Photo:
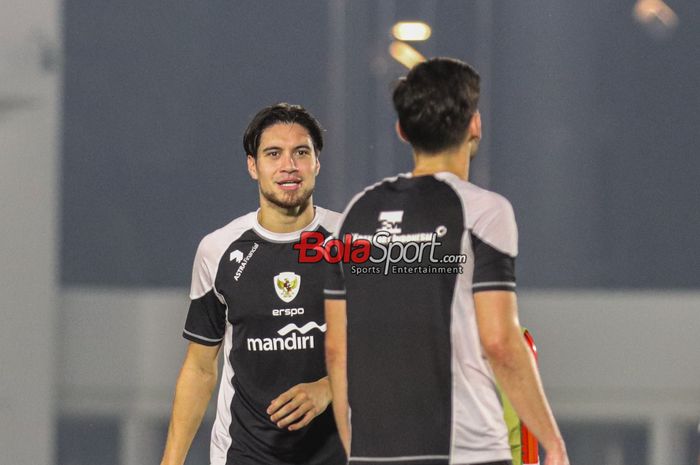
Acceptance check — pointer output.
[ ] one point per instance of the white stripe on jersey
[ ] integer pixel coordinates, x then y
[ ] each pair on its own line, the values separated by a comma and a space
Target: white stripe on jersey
208, 339
493, 283
406, 458
220, 436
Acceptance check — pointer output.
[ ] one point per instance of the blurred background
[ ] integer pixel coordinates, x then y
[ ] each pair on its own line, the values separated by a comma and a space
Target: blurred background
120, 147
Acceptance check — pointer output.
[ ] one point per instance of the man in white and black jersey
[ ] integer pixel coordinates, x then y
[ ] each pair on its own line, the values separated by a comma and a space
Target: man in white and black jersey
415, 343
250, 295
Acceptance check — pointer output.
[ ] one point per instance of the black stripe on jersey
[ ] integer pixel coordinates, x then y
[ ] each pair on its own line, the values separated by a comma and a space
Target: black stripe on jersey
493, 269
206, 321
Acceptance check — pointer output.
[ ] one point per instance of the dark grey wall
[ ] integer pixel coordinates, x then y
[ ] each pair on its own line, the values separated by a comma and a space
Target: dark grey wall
590, 126
595, 140
157, 95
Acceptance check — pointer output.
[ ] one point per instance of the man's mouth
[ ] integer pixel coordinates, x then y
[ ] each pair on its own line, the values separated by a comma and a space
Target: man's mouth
289, 184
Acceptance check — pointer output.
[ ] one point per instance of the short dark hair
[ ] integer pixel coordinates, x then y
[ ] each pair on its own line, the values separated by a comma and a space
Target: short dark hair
435, 103
281, 113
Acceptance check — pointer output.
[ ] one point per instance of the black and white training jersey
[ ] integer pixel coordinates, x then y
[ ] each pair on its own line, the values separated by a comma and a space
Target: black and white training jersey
250, 293
420, 388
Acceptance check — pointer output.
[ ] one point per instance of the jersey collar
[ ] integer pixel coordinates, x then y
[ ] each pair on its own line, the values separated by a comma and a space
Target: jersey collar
290, 236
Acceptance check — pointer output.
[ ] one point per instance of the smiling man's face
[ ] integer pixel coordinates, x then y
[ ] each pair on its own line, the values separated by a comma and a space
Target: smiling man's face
285, 166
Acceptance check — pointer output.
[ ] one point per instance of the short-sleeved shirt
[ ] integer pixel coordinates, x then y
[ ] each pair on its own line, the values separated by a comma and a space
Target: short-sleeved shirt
250, 293
419, 386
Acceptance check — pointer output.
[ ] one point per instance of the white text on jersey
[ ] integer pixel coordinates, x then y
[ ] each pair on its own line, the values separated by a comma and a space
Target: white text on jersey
287, 311
294, 341
240, 269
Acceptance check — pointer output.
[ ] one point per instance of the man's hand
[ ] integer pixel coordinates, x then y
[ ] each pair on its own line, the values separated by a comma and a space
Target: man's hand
295, 408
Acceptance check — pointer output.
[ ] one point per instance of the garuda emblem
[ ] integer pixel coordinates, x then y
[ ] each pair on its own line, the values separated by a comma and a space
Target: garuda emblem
287, 285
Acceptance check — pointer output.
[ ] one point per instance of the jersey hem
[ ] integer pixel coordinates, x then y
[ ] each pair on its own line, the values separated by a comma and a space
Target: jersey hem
483, 457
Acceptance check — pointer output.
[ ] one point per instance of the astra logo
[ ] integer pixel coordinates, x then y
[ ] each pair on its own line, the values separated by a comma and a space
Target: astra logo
241, 267
236, 255
390, 221
297, 340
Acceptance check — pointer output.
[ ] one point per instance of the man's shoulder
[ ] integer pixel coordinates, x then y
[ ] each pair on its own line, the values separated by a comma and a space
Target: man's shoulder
328, 219
473, 197
385, 183
476, 197
217, 241
372, 190
489, 216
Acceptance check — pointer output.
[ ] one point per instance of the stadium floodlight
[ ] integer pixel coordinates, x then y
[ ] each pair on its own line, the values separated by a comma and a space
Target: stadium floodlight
405, 54
656, 17
411, 31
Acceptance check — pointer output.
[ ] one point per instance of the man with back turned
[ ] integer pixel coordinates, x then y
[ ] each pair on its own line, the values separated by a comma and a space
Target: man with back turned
417, 338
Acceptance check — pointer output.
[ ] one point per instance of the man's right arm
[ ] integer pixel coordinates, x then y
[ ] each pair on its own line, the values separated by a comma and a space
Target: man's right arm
336, 365
193, 390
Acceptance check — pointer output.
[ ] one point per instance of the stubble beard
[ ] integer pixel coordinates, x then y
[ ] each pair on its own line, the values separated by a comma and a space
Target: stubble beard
288, 200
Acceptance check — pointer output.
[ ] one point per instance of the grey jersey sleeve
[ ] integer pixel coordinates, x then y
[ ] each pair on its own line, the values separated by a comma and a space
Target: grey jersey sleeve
494, 239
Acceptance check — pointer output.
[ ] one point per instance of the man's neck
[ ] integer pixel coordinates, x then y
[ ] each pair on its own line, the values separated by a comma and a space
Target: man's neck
283, 220
455, 161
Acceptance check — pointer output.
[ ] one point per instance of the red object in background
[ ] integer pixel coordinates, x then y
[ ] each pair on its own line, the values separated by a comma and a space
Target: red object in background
530, 447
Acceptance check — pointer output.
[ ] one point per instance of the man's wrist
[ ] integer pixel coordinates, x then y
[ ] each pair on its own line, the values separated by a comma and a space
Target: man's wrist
555, 445
326, 383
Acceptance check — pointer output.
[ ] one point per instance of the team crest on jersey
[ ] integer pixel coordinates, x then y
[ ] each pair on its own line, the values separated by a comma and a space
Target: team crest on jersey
287, 285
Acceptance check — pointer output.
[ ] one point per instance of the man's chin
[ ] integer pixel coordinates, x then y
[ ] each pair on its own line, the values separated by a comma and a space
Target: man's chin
289, 201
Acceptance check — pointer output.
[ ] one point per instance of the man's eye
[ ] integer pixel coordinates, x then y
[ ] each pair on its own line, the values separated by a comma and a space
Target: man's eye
273, 154
303, 152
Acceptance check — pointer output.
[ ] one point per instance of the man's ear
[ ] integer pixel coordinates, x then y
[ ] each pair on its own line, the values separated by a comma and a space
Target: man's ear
318, 165
474, 129
400, 133
252, 168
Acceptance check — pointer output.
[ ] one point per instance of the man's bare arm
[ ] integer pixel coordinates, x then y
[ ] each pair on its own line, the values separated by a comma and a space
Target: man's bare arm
514, 367
336, 365
195, 384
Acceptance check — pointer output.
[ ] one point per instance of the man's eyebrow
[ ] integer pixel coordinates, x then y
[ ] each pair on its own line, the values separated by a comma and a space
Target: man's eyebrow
274, 147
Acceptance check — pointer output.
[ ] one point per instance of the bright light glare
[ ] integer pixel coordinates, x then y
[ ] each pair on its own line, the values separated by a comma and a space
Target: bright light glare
405, 30
649, 11
405, 54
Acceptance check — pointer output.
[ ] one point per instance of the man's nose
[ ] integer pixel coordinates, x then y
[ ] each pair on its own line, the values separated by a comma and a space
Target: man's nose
288, 162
